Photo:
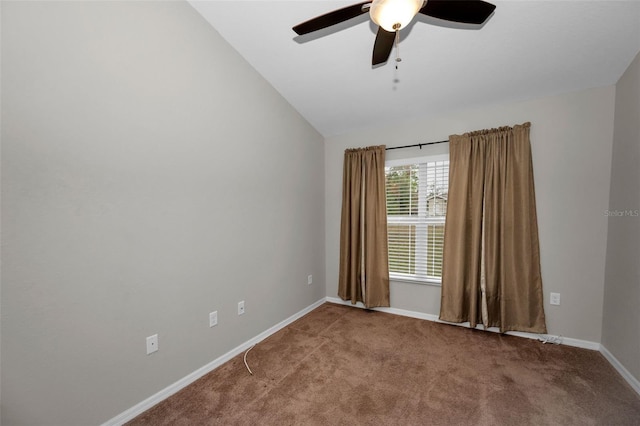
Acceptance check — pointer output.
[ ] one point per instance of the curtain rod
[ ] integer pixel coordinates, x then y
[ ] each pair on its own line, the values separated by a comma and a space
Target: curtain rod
417, 144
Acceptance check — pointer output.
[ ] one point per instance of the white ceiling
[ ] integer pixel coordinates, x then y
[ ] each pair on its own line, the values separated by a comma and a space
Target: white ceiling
526, 49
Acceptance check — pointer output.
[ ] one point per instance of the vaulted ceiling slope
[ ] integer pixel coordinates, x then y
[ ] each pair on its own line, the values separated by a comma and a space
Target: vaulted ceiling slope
526, 49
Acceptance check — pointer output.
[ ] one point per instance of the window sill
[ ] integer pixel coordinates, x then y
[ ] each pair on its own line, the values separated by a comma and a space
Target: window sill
435, 283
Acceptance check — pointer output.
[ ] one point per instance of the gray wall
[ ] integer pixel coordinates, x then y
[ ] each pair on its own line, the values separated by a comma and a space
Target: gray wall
149, 176
621, 325
571, 138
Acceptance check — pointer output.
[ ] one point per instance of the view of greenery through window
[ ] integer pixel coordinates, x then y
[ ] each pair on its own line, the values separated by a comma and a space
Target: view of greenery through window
416, 209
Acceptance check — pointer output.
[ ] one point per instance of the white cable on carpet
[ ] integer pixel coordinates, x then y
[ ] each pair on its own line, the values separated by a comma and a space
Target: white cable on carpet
245, 360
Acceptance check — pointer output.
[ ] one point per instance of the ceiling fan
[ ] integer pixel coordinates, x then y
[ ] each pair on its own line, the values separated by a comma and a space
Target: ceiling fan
393, 15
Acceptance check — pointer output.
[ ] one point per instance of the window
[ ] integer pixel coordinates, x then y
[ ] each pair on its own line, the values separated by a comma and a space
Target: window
416, 207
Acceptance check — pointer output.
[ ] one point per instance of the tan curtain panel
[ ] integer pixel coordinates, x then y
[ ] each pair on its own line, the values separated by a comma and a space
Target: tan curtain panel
491, 264
364, 265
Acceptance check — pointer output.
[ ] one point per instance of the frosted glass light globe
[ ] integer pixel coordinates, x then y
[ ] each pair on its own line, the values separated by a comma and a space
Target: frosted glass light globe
393, 15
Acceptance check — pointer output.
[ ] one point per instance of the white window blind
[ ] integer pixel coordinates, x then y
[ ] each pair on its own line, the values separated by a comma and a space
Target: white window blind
416, 208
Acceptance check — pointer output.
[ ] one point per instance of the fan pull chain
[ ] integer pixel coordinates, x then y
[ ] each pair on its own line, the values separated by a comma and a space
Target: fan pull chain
397, 42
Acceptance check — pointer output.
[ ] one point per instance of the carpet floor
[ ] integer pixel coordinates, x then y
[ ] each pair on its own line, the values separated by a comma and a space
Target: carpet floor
340, 365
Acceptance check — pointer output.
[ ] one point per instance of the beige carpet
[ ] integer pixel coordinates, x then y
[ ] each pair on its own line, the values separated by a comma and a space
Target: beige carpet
340, 365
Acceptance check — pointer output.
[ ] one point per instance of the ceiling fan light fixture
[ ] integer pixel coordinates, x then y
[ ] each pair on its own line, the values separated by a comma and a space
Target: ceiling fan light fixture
392, 15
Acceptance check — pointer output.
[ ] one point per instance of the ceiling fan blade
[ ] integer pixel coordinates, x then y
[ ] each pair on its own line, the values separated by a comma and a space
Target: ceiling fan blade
382, 47
463, 11
331, 18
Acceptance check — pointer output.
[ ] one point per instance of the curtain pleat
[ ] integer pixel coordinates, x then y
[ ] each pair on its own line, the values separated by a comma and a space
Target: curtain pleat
364, 267
491, 264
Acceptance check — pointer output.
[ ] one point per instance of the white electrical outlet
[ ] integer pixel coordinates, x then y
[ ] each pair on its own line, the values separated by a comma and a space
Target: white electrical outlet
309, 279
554, 298
213, 318
241, 307
152, 344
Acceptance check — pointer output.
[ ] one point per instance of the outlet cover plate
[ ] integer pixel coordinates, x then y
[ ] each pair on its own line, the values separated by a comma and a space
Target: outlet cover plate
213, 318
241, 307
152, 344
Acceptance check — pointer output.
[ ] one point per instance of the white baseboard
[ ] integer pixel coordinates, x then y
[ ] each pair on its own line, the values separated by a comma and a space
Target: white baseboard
633, 382
143, 406
395, 311
585, 344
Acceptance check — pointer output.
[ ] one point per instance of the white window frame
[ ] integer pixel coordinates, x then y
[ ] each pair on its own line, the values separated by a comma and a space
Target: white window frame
396, 276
